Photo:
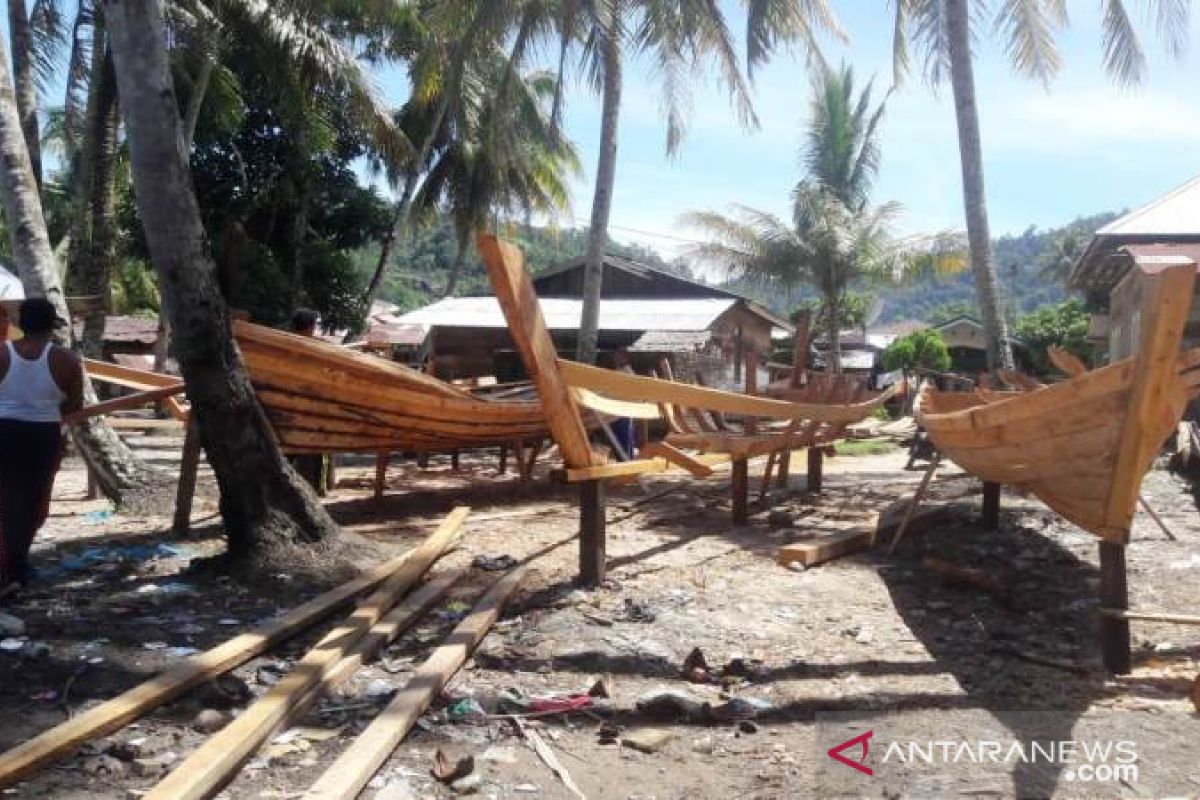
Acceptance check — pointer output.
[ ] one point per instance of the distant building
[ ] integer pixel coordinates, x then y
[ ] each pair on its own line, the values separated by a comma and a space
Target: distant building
703, 330
1164, 228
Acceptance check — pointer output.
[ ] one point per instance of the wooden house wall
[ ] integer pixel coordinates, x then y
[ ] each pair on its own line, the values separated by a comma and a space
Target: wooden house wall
1126, 313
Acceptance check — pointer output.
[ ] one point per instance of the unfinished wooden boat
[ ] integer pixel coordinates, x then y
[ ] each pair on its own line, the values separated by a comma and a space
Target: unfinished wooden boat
322, 398
1083, 445
694, 413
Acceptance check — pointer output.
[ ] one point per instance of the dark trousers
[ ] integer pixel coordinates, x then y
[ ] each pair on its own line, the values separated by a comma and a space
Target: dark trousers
622, 428
29, 456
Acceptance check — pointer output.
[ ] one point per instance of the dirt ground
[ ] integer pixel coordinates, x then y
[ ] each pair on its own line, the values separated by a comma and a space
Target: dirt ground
799, 660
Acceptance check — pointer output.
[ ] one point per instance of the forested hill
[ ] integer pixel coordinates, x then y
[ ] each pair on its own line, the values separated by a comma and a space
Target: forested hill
1030, 267
424, 260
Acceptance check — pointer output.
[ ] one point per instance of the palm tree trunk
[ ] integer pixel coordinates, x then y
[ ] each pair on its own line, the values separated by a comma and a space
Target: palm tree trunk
263, 500
462, 243
121, 477
970, 151
606, 174
833, 329
101, 260
22, 64
387, 248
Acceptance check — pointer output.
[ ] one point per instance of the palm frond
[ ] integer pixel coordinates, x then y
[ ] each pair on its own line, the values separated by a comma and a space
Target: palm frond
49, 34
770, 23
1029, 28
1123, 55
321, 60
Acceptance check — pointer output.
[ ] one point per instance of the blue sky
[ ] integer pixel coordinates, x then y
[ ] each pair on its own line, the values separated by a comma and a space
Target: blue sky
1051, 154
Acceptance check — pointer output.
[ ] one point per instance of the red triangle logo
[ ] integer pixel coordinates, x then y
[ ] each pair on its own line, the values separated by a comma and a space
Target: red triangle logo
863, 739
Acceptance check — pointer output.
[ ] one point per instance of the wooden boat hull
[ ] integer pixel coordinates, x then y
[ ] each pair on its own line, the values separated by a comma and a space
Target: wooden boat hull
322, 398
1081, 446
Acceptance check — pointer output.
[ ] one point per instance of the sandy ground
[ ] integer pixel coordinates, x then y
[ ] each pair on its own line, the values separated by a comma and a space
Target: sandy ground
864, 644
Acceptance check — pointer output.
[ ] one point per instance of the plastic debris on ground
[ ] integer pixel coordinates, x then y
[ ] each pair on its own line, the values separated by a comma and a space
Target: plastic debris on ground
129, 553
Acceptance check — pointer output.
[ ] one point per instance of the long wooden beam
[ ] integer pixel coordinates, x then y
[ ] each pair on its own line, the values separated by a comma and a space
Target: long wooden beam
203, 773
129, 377
513, 288
641, 466
1164, 315
641, 389
616, 408
350, 773
30, 756
677, 457
398, 620
122, 403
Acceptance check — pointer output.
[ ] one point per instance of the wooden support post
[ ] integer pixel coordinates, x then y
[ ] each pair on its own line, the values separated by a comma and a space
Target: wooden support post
816, 468
454, 460
503, 459
381, 465
991, 506
331, 473
741, 491
186, 491
751, 424
1114, 594
592, 559
785, 466
799, 375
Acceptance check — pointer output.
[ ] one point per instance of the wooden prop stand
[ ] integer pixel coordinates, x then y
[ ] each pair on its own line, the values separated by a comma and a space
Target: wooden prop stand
918, 496
740, 484
349, 774
189, 468
592, 535
381, 465
991, 505
206, 770
1114, 595
27, 758
816, 468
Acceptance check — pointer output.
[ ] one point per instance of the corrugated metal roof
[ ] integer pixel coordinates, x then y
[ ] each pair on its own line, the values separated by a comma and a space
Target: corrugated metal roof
1174, 217
670, 341
691, 314
1175, 213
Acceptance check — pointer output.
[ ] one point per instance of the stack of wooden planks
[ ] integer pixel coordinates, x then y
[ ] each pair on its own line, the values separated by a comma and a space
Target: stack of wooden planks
378, 619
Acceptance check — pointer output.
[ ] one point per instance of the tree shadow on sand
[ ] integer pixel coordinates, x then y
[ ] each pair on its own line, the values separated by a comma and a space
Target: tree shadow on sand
1029, 655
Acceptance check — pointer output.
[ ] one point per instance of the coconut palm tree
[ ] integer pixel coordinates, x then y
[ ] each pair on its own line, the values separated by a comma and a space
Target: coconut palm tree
827, 246
945, 29
507, 159
679, 39
835, 238
263, 500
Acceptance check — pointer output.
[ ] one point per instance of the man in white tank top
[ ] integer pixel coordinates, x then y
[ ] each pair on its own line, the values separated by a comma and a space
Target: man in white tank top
40, 382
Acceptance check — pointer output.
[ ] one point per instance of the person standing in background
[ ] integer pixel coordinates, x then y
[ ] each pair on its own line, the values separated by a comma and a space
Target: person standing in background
40, 382
622, 427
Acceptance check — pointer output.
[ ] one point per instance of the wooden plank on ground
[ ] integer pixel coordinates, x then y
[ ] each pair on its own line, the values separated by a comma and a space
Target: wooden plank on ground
354, 768
28, 757
830, 546
206, 770
399, 619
